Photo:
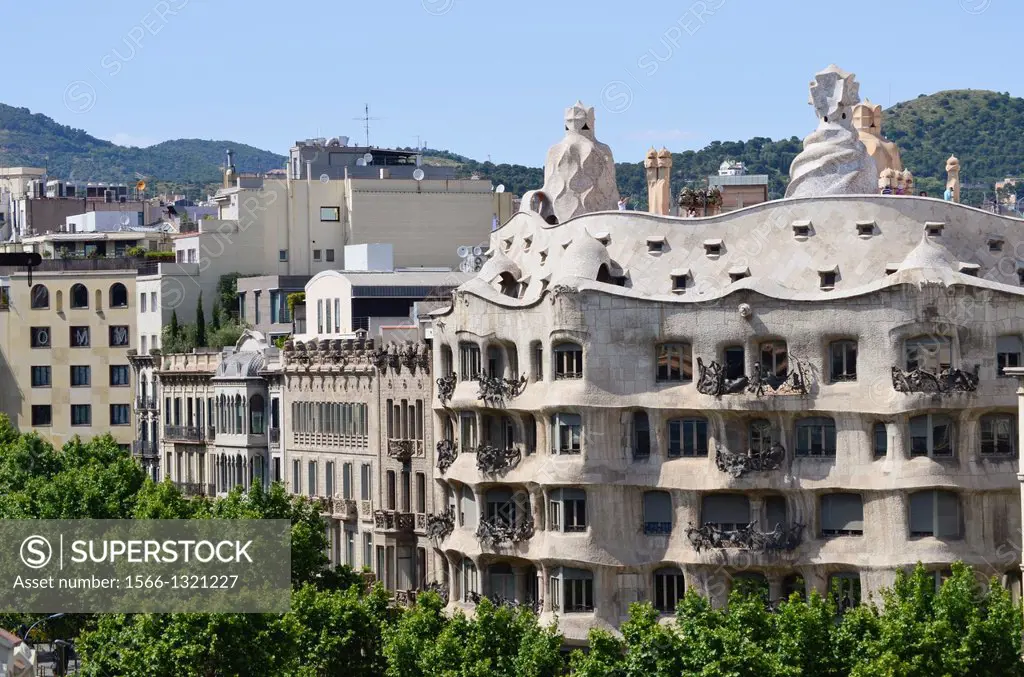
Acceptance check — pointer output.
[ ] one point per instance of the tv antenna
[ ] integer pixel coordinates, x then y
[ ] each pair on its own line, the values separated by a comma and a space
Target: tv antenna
366, 122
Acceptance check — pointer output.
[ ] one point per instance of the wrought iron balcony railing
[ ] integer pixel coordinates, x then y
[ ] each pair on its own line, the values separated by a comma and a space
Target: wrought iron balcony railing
446, 454
946, 381
446, 388
496, 459
759, 460
711, 380
748, 537
184, 432
145, 449
145, 403
441, 525
498, 531
495, 390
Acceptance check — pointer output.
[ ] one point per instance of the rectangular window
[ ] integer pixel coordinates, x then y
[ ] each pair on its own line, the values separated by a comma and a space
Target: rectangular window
774, 360
152, 301
367, 549
538, 362
142, 302
330, 255
329, 479
467, 437
120, 414
735, 362
79, 337
687, 437
41, 377
327, 316
931, 435
330, 214
566, 433
842, 515
675, 362
40, 337
568, 361
346, 481
282, 255
469, 361
316, 254
319, 316
574, 502
337, 316
81, 414
844, 361
881, 440
42, 415
80, 375
816, 437
120, 375
119, 335
998, 435
421, 492
364, 485
296, 477
256, 307
929, 353
1008, 352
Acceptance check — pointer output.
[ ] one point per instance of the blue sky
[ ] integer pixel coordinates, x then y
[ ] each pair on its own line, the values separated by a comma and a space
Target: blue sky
486, 78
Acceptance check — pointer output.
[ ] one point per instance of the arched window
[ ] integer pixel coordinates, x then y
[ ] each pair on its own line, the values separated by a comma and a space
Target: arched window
79, 296
668, 589
256, 411
935, 513
40, 297
118, 295
239, 418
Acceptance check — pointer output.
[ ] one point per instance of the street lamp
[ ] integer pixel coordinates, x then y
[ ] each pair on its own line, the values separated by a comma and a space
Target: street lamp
24, 637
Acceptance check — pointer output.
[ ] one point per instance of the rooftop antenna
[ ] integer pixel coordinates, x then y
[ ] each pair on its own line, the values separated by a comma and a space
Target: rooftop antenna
366, 122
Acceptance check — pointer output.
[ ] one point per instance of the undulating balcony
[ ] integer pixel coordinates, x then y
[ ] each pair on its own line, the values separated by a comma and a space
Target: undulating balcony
942, 382
745, 537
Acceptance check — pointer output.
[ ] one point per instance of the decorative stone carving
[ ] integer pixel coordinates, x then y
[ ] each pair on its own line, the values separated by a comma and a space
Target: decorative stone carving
737, 465
659, 170
446, 454
750, 537
401, 450
745, 310
953, 177
579, 173
946, 381
833, 161
867, 120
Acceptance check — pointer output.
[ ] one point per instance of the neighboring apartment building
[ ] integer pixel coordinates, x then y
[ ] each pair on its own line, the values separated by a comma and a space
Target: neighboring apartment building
738, 188
263, 302
64, 342
804, 395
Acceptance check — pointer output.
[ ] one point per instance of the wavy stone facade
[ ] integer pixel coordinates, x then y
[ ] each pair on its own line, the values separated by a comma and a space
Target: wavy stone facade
804, 394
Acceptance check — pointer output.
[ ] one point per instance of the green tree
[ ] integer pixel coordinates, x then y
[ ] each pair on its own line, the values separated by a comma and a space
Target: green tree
173, 331
215, 316
200, 322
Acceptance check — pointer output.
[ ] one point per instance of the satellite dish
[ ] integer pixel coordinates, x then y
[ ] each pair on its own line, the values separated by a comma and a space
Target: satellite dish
368, 157
361, 162
500, 188
466, 266
478, 251
464, 251
418, 174
324, 178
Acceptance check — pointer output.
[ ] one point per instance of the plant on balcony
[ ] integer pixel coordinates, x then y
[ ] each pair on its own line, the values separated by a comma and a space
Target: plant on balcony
441, 525
495, 390
761, 460
401, 450
496, 459
749, 537
498, 532
446, 454
446, 388
711, 380
946, 381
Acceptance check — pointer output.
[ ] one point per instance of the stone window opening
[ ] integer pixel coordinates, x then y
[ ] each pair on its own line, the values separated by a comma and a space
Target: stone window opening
527, 243
571, 590
537, 357
314, 486
469, 361
257, 409
713, 248
728, 512
1008, 353
674, 362
529, 434
827, 279
655, 245
470, 580
929, 353
447, 363
680, 282
118, 295
844, 589
931, 435
880, 439
40, 297
794, 584
865, 228
935, 513
657, 513
687, 437
637, 435
735, 362
669, 588
972, 269
495, 368
605, 276
508, 285
467, 432
816, 436
1020, 276
79, 296
760, 436
737, 274
801, 229
843, 360
776, 514
842, 514
933, 228
566, 433
774, 361
568, 361
567, 510
998, 435
995, 244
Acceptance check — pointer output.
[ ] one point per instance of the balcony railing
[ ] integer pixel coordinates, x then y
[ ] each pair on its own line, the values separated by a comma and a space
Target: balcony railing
274, 435
760, 460
392, 520
195, 488
495, 390
747, 537
145, 403
145, 448
498, 531
446, 454
496, 459
441, 525
345, 509
946, 381
186, 432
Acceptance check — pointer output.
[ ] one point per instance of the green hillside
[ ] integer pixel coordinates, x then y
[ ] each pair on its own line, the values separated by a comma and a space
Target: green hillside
980, 127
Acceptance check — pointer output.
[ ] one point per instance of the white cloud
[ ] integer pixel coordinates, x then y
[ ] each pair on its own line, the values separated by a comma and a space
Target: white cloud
126, 139
659, 135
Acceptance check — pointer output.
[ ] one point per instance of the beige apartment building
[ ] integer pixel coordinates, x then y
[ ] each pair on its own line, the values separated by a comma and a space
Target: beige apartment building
64, 342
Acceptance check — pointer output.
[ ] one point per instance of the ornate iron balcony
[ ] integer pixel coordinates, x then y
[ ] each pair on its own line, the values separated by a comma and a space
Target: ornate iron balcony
446, 454
441, 525
499, 600
446, 388
946, 381
495, 391
711, 380
496, 459
766, 383
145, 449
762, 460
749, 537
405, 598
498, 532
184, 432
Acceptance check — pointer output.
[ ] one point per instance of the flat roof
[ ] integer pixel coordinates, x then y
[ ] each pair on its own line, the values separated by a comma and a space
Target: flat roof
741, 180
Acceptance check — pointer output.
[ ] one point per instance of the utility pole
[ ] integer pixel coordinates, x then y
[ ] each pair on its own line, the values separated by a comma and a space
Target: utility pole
366, 122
